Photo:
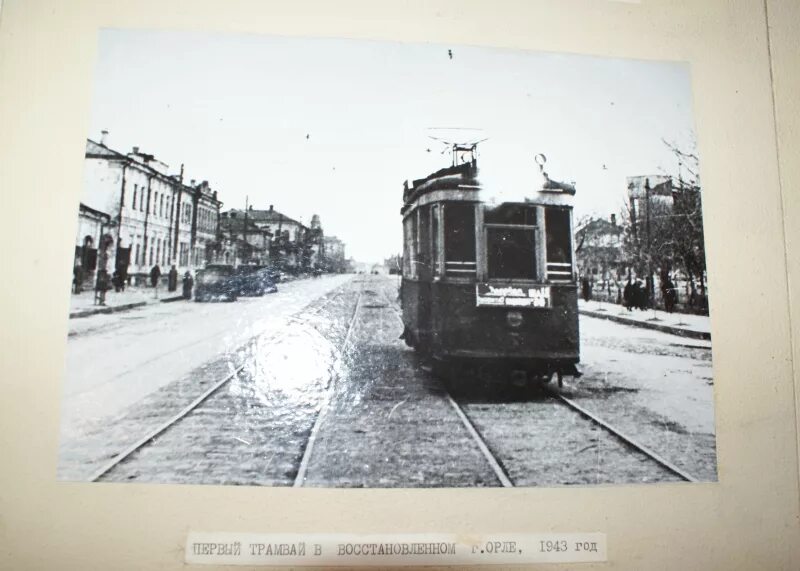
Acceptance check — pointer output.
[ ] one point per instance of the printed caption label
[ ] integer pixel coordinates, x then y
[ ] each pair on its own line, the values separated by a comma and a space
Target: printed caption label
224, 548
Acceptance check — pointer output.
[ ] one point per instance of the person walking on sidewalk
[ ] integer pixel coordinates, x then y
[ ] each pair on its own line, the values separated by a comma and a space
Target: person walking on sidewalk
670, 294
155, 275
188, 283
586, 286
638, 294
172, 280
627, 295
77, 278
101, 287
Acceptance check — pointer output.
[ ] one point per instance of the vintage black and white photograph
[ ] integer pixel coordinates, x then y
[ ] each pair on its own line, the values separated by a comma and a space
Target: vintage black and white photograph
358, 264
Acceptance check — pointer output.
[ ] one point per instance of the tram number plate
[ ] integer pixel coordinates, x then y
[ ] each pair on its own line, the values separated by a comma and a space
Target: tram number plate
512, 296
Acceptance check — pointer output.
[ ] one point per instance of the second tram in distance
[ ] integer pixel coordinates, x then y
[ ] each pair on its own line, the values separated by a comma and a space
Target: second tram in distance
490, 285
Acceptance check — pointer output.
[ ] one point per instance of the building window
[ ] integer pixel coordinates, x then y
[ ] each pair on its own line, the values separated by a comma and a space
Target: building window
161, 206
135, 190
184, 254
141, 200
136, 259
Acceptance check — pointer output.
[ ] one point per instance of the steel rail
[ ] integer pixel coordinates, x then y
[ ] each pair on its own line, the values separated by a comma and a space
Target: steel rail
625, 438
500, 471
130, 450
166, 425
497, 468
490, 458
302, 470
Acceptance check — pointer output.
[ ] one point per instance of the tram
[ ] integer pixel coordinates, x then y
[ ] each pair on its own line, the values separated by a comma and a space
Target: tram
488, 284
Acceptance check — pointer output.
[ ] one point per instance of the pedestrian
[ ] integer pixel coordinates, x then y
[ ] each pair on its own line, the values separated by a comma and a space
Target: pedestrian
115, 281
670, 294
102, 285
188, 283
77, 278
586, 288
627, 295
123, 276
172, 280
637, 294
155, 275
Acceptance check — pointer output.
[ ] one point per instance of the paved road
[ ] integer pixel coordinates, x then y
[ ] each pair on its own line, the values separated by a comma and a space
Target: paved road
113, 361
386, 420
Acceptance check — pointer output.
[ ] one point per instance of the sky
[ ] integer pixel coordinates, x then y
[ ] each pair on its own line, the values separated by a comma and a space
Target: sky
334, 127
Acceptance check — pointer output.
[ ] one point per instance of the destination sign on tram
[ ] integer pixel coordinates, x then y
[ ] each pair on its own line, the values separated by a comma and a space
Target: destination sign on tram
512, 296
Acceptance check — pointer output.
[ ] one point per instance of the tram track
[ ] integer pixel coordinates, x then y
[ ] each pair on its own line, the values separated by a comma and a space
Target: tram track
487, 425
196, 405
498, 465
626, 439
491, 459
302, 470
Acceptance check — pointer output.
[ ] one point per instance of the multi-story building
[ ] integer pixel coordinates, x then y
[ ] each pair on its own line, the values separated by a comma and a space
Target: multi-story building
93, 225
599, 249
205, 223
334, 249
277, 223
242, 241
288, 237
155, 219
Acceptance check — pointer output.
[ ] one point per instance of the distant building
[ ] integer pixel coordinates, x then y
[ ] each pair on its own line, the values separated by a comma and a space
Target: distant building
242, 241
394, 264
92, 226
646, 195
154, 217
335, 258
205, 224
599, 249
288, 237
277, 223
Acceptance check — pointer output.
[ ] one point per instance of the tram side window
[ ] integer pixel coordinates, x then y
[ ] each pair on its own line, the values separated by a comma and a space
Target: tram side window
423, 243
459, 233
559, 244
511, 242
435, 245
408, 234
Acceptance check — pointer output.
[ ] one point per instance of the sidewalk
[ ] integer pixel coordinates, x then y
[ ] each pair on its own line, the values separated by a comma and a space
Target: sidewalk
82, 304
683, 324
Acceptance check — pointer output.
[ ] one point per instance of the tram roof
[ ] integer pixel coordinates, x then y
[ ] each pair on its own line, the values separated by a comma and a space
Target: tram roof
454, 177
464, 179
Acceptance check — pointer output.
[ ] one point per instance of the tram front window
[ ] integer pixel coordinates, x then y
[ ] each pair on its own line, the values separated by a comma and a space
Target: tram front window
511, 242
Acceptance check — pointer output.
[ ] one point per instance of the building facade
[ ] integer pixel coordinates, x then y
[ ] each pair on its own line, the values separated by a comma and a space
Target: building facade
599, 249
334, 254
242, 241
155, 219
287, 249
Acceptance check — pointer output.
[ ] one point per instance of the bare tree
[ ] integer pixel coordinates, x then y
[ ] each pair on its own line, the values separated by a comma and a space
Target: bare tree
664, 229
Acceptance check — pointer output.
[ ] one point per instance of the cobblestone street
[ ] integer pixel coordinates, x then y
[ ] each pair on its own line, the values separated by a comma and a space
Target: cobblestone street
328, 395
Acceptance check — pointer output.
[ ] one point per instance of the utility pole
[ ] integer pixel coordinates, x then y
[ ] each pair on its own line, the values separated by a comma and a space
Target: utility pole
244, 226
650, 281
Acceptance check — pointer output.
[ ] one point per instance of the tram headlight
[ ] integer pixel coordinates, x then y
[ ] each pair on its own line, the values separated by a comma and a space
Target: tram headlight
514, 318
